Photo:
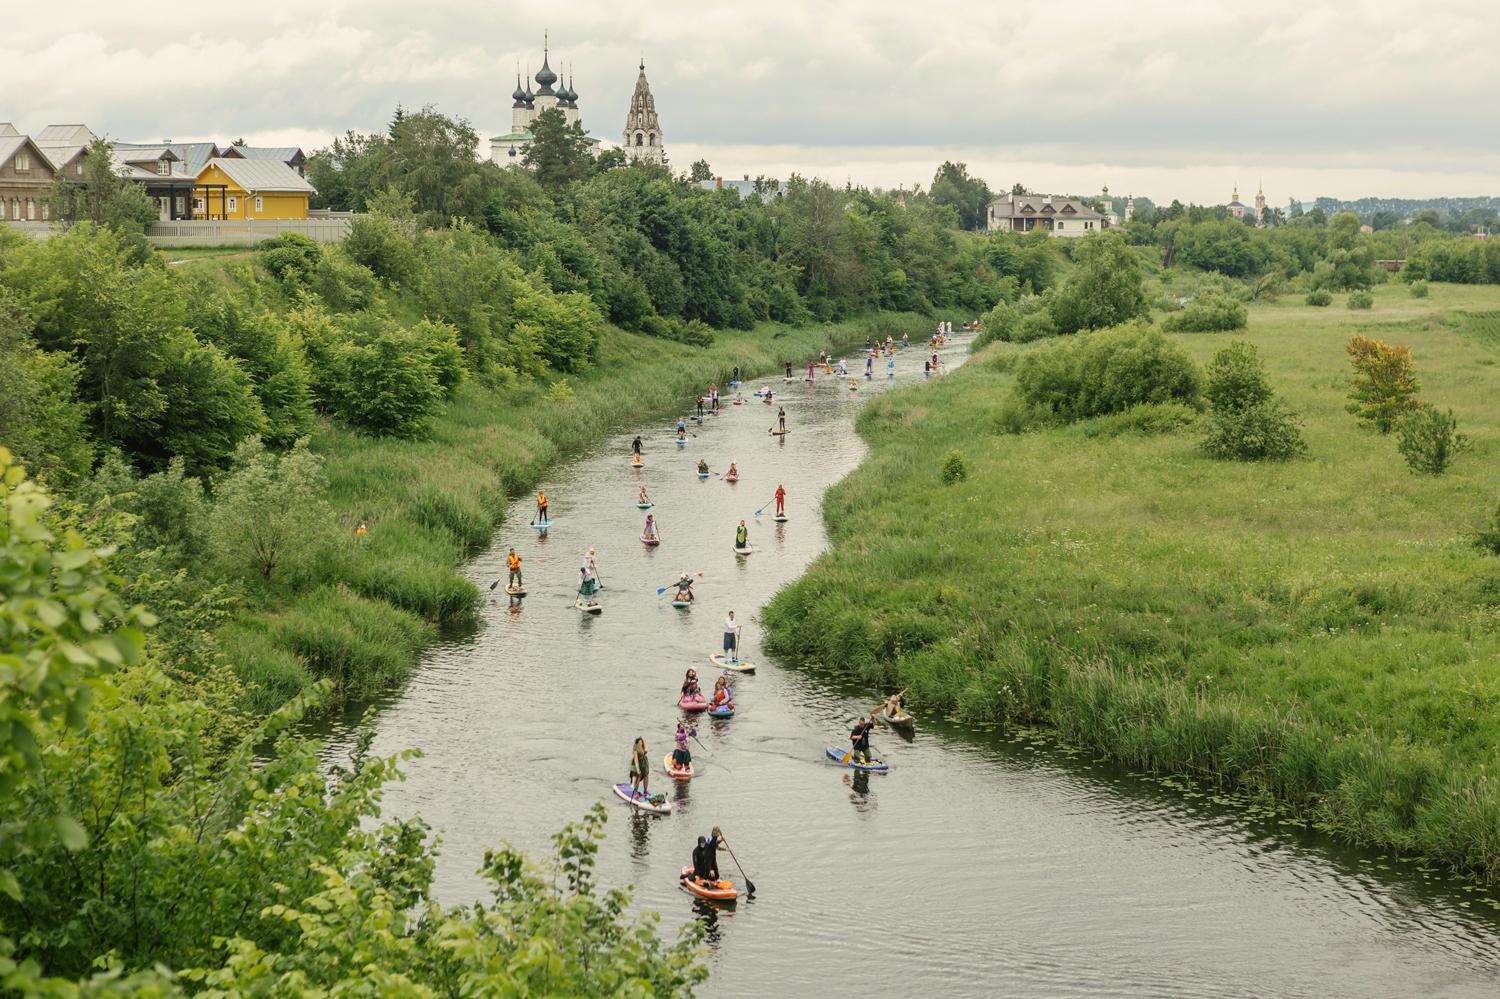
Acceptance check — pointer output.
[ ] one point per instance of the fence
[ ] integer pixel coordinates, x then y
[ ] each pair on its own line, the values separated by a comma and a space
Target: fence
330, 227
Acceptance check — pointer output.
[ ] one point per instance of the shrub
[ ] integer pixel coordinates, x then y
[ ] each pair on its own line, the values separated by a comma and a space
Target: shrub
560, 391
1248, 422
1209, 312
1384, 384
1107, 372
1149, 419
1429, 440
292, 258
1361, 300
955, 468
378, 242
269, 513
1418, 289
1105, 286
387, 385
1320, 297
1489, 538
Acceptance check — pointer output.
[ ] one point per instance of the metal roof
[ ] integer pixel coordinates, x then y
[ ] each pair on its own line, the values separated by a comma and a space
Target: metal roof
262, 175
194, 155
283, 153
65, 135
60, 154
9, 146
7, 129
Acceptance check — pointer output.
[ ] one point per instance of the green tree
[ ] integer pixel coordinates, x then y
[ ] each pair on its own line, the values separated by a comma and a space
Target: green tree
968, 196
40, 417
700, 171
1247, 422
560, 153
430, 158
101, 195
345, 173
1104, 288
269, 513
1429, 440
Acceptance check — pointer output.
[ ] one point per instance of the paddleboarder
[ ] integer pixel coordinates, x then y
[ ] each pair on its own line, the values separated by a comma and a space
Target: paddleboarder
780, 501
859, 738
690, 683
644, 498
788, 370
781, 418
541, 506
731, 637
685, 588
700, 409
810, 371
586, 585
513, 563
649, 531
681, 756
635, 446
593, 566
742, 536
640, 768
706, 858
702, 466
720, 699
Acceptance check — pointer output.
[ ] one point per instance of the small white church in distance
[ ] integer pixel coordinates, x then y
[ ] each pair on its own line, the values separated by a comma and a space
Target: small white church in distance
641, 139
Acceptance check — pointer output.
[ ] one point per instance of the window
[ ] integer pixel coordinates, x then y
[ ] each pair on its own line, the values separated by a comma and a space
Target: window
651, 139
23, 162
30, 210
78, 168
15, 209
260, 205
234, 204
181, 204
197, 205
639, 138
1061, 224
46, 211
164, 167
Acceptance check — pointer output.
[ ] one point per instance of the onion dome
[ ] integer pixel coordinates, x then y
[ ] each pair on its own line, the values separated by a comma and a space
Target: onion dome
545, 78
519, 96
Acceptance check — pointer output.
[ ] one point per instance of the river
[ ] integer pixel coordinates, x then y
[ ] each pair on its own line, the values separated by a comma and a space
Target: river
985, 863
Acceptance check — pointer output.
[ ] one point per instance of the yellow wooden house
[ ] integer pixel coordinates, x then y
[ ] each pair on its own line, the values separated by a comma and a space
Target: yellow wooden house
250, 190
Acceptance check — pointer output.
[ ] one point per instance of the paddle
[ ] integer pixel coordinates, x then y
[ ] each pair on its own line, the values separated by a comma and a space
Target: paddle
757, 512
662, 589
748, 883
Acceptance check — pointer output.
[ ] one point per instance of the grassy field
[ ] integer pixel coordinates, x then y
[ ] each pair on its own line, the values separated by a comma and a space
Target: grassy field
368, 612
1320, 631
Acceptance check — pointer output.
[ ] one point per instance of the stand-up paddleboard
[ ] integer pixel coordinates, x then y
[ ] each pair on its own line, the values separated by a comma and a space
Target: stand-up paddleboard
644, 506
767, 400
727, 711
593, 608
778, 433
682, 604
739, 402
650, 542
731, 478
693, 702
681, 442
704, 475
542, 525
722, 661
656, 804
715, 891
874, 766
743, 551
637, 464
673, 770
780, 518
516, 591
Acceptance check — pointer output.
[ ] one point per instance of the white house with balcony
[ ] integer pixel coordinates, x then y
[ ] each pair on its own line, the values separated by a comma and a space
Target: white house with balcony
1061, 217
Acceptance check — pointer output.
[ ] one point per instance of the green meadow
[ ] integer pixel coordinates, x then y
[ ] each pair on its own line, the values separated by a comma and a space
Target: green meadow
364, 618
1323, 631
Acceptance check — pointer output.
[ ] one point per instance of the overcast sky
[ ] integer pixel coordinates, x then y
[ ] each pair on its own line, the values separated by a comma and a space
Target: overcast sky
1163, 98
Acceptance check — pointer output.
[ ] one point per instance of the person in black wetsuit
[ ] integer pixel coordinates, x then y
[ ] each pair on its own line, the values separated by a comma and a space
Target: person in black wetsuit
635, 445
788, 370
706, 856
859, 738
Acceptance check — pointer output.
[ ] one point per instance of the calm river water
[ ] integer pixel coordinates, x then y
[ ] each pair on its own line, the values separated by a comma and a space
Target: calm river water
983, 864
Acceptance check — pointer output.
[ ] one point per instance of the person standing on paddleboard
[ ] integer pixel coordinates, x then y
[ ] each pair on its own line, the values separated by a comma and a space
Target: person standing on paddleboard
700, 409
859, 738
640, 768
541, 506
780, 501
513, 563
681, 756
731, 637
649, 531
593, 567
742, 536
635, 445
810, 371
706, 857
781, 418
734, 377
788, 370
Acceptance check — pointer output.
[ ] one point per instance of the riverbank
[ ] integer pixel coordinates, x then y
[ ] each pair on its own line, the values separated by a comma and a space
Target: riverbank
1321, 632
369, 612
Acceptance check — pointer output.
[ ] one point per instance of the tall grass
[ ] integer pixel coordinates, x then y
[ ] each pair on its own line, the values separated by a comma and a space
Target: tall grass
429, 503
1319, 630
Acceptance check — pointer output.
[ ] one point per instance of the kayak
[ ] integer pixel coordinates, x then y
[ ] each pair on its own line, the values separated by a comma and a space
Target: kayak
901, 723
682, 604
780, 518
673, 770
743, 551
727, 711
643, 506
876, 767
654, 803
516, 591
718, 891
588, 608
693, 702
722, 661
650, 542
542, 525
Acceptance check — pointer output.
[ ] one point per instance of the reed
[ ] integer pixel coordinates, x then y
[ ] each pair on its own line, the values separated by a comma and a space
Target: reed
1319, 631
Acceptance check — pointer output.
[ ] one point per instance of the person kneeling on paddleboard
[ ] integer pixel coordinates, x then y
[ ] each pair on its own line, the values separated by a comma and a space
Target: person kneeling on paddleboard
513, 563
640, 767
706, 857
690, 683
644, 498
721, 699
685, 588
702, 466
859, 738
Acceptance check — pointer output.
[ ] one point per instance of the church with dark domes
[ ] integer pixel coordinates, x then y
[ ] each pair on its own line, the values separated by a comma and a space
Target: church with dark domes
526, 104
